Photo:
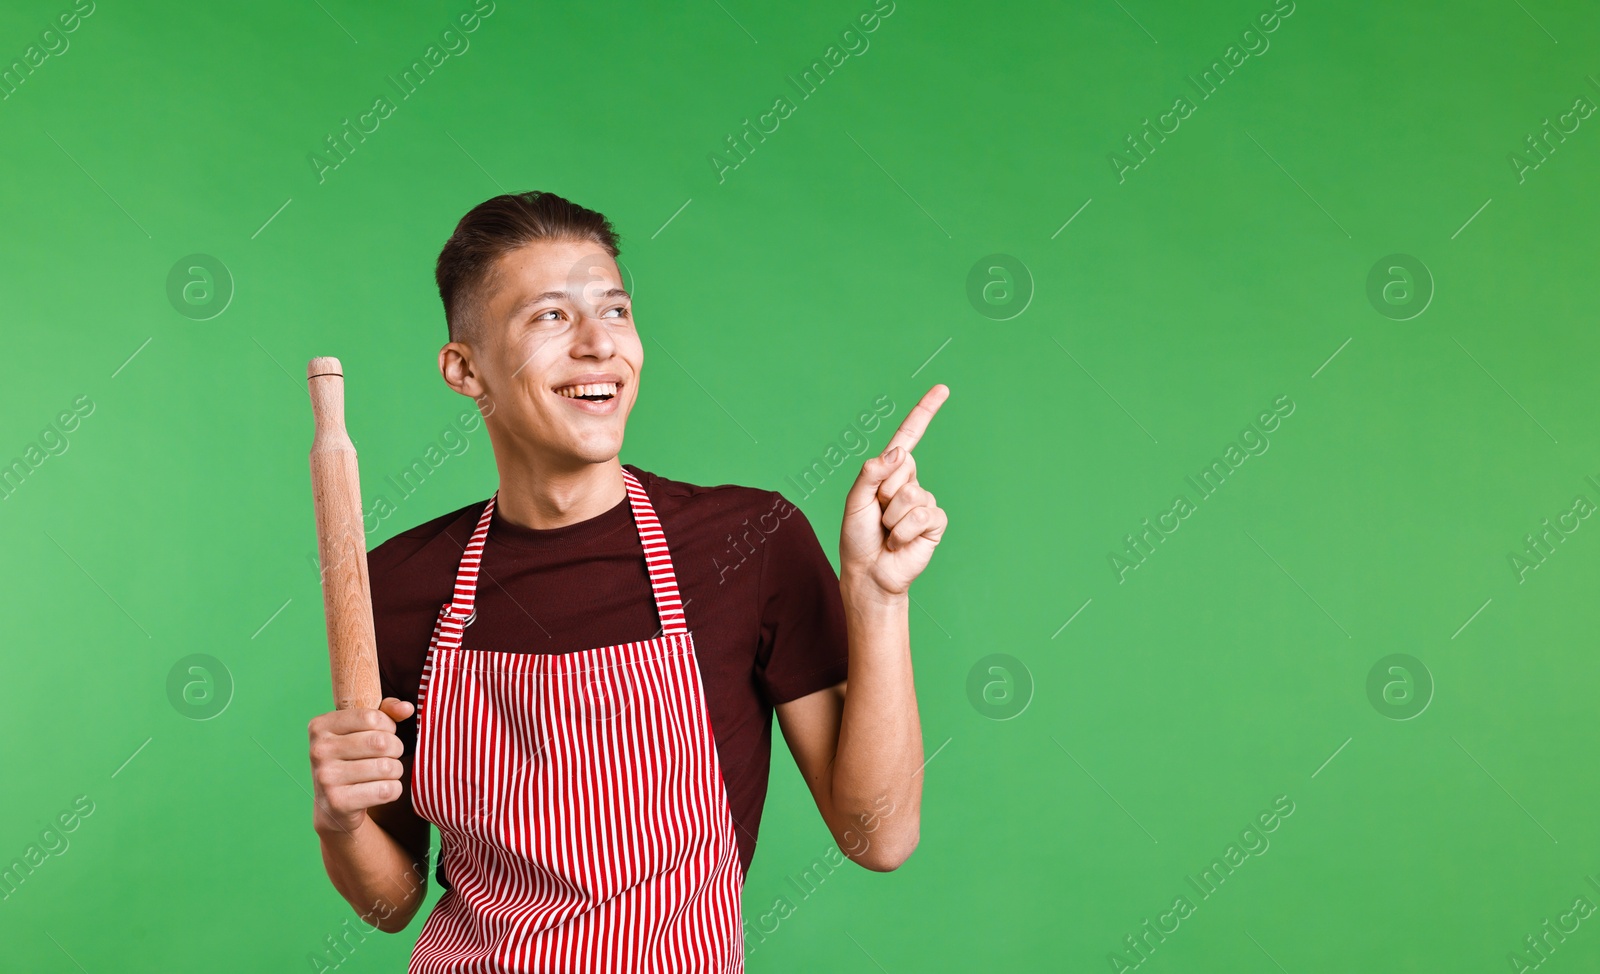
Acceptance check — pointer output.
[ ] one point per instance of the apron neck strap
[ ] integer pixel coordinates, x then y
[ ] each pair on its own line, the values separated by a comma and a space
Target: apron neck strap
663, 580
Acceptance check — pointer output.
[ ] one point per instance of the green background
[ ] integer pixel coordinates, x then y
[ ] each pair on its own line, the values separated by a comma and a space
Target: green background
829, 268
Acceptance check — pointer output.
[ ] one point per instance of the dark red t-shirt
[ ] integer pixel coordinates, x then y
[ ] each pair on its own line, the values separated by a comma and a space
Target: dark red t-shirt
761, 600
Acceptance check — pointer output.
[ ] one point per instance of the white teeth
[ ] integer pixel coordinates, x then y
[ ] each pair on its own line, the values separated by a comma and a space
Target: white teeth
589, 389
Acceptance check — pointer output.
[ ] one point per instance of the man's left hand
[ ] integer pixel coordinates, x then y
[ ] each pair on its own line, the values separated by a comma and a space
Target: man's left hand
891, 523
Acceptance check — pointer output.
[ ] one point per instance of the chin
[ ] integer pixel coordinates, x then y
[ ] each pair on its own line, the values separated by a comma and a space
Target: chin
597, 452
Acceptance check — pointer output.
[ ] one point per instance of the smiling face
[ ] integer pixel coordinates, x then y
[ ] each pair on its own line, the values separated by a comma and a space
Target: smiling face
554, 360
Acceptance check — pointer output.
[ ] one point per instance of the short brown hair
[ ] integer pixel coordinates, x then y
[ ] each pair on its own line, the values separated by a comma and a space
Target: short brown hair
493, 228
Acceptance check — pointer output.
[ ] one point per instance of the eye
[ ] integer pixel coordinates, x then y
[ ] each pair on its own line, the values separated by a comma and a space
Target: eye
623, 311
541, 315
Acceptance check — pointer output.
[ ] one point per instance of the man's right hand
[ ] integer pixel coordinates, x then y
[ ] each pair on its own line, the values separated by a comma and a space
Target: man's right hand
355, 763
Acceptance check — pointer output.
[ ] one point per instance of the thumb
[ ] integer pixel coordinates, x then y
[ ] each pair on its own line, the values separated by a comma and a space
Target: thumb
873, 473
397, 709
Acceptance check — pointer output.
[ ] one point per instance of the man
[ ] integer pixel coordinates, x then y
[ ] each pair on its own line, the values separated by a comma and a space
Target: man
592, 656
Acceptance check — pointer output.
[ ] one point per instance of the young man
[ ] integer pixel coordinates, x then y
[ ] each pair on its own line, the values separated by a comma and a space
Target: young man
593, 655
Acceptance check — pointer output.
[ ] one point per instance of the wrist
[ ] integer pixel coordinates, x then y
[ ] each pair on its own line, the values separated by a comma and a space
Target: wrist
863, 594
331, 831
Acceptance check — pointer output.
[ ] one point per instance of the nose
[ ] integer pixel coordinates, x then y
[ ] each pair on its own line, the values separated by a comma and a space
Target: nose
592, 339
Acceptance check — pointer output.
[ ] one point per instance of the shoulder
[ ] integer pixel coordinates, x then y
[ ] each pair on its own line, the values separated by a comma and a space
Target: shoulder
421, 546
723, 527
696, 506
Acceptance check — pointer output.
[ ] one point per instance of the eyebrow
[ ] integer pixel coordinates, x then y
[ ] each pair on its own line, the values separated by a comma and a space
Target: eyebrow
523, 305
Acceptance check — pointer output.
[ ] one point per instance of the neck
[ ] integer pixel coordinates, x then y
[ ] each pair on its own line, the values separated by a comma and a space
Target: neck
539, 496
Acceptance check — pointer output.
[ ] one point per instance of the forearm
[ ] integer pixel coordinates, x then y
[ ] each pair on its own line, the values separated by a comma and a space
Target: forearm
876, 769
374, 873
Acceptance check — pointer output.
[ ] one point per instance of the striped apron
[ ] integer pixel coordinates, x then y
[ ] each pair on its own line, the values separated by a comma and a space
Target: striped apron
583, 819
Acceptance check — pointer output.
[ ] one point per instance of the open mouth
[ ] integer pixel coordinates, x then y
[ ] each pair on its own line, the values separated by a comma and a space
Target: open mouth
590, 392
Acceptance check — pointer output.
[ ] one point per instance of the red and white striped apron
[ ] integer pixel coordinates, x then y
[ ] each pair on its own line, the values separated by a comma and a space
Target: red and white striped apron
583, 818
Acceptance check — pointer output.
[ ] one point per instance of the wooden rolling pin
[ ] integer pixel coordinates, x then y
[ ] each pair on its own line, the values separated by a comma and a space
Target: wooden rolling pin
341, 543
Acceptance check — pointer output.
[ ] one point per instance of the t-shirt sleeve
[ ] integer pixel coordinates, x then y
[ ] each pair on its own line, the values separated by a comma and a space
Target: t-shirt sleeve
804, 646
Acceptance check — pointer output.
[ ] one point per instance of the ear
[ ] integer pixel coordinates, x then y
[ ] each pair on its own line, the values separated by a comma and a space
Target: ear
460, 372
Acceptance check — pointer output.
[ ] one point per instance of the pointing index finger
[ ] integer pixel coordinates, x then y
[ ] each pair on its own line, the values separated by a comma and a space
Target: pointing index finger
916, 421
